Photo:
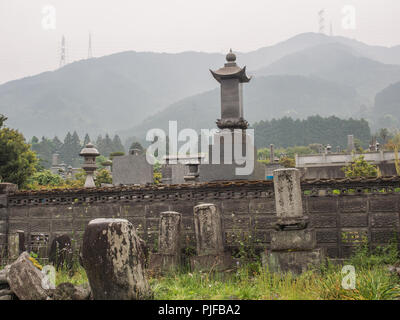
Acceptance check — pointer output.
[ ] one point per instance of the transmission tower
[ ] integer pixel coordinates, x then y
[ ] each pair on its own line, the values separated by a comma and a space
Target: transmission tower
63, 57
90, 53
321, 15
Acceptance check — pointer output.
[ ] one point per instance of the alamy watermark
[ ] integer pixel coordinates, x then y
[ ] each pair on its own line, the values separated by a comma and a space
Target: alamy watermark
187, 146
349, 277
349, 17
49, 21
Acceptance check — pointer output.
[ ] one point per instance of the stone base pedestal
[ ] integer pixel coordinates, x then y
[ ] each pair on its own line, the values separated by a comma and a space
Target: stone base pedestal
161, 263
215, 262
296, 262
294, 251
293, 240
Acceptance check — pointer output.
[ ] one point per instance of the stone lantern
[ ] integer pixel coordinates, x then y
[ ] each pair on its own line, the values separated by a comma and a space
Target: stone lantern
89, 153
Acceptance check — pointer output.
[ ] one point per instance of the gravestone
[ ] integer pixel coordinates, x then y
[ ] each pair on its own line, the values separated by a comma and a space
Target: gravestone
114, 260
16, 244
61, 252
293, 243
168, 256
131, 169
209, 239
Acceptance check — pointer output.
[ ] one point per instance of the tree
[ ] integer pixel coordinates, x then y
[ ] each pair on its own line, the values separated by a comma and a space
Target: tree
44, 150
117, 144
17, 160
57, 144
287, 132
34, 140
384, 134
45, 178
137, 145
71, 149
359, 167
2, 120
103, 176
86, 140
287, 162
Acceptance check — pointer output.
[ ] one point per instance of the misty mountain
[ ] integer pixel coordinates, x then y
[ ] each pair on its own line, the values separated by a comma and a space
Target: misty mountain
267, 55
387, 106
264, 98
120, 91
104, 94
338, 63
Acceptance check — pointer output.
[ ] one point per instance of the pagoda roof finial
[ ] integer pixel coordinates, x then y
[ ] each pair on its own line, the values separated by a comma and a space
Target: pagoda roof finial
230, 70
230, 57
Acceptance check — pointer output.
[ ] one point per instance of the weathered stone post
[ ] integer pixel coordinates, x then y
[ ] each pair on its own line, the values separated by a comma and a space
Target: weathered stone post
293, 244
288, 199
5, 190
113, 258
168, 256
209, 239
350, 143
15, 244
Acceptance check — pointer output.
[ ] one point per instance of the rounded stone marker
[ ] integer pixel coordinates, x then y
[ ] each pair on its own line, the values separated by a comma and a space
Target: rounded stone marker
61, 252
114, 260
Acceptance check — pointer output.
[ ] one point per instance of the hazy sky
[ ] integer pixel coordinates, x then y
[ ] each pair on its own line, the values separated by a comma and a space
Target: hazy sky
30, 36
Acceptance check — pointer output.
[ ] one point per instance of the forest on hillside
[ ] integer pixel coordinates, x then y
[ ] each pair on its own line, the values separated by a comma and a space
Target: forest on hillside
287, 132
71, 146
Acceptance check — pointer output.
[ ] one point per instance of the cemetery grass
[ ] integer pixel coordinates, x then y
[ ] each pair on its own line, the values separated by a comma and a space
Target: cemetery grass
251, 281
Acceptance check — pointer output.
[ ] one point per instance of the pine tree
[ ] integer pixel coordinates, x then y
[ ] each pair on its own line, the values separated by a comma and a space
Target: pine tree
99, 144
107, 146
137, 145
71, 149
66, 152
86, 140
57, 144
117, 144
76, 149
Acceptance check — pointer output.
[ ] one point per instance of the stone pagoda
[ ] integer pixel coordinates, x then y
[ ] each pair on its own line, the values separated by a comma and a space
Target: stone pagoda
231, 77
227, 142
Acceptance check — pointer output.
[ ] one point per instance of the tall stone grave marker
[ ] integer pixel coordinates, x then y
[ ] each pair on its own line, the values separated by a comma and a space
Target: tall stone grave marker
209, 239
168, 256
293, 243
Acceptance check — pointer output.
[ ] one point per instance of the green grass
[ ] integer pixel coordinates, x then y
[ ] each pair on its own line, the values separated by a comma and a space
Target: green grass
373, 283
253, 282
75, 276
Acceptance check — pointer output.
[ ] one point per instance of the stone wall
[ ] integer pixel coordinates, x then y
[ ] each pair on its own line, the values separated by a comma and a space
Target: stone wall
343, 212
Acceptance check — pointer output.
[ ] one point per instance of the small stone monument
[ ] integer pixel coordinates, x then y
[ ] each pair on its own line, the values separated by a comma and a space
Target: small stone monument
89, 153
209, 240
113, 257
350, 143
168, 256
16, 244
132, 168
293, 243
61, 252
